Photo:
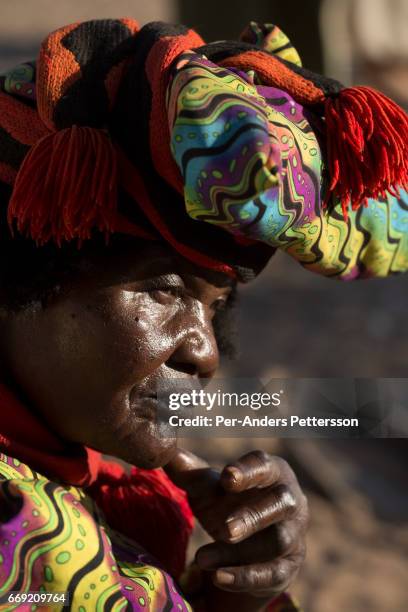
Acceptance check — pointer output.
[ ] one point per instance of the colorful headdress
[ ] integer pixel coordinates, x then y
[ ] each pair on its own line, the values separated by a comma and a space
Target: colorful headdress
227, 151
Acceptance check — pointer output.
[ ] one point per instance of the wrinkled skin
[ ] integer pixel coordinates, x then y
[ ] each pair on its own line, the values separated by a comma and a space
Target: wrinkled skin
257, 515
87, 361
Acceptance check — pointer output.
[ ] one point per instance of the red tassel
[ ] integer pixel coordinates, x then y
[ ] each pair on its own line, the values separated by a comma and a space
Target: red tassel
147, 507
367, 138
66, 186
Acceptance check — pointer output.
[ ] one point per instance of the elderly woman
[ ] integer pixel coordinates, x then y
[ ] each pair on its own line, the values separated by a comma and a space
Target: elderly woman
144, 174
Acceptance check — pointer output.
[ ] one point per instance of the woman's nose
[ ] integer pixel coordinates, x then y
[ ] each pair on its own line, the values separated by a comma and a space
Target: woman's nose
196, 352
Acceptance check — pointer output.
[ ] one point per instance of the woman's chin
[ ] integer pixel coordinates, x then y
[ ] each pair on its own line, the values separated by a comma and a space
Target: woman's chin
148, 452
150, 458
144, 444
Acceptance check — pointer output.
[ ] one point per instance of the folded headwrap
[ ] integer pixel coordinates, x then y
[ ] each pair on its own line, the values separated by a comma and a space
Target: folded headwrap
227, 151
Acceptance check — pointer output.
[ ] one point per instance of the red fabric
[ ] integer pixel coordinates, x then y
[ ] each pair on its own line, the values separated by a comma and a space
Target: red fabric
367, 145
57, 69
155, 512
25, 437
158, 63
273, 72
66, 186
8, 173
144, 505
20, 121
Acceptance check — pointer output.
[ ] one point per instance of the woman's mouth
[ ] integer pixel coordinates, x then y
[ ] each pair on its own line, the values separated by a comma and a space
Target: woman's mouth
149, 406
155, 405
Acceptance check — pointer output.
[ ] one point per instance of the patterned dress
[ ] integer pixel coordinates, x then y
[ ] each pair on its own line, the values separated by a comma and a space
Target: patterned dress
54, 539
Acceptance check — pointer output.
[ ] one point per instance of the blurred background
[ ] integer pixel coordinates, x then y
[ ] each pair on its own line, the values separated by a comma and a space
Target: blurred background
292, 323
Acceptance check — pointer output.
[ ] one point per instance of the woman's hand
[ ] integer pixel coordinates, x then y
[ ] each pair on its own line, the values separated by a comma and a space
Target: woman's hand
257, 515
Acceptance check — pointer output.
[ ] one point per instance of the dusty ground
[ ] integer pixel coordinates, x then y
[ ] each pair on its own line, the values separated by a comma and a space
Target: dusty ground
358, 537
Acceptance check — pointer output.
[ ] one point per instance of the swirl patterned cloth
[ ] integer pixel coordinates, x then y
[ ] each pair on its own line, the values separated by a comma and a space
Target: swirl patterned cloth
54, 539
253, 164
261, 148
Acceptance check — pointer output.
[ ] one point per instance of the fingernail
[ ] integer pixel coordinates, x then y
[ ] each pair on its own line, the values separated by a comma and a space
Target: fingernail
224, 577
236, 528
234, 474
207, 558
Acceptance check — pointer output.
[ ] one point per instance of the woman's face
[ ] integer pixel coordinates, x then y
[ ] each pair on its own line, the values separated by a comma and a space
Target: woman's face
90, 359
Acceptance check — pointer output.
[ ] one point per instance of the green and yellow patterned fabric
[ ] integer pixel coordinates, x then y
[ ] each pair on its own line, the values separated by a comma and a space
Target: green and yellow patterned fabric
53, 539
253, 164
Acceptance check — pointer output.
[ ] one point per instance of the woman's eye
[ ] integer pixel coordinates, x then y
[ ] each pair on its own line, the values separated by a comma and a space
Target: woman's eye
166, 295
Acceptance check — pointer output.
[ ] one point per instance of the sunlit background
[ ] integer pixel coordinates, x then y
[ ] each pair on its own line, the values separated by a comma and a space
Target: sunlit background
295, 324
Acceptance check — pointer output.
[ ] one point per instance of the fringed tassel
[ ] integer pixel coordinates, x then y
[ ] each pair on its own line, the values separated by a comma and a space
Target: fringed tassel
147, 507
367, 139
66, 186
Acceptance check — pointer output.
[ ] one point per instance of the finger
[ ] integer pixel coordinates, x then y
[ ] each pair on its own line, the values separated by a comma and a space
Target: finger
191, 473
255, 469
270, 507
259, 579
276, 541
184, 461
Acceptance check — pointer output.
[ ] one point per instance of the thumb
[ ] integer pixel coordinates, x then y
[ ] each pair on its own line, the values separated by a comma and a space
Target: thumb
191, 473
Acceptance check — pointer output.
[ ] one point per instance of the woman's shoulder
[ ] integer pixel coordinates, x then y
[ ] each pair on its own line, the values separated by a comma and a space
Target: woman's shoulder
53, 538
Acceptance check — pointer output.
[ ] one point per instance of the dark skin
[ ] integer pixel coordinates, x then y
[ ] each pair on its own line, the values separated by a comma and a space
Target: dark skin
93, 355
